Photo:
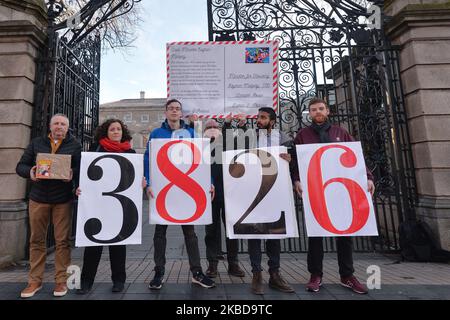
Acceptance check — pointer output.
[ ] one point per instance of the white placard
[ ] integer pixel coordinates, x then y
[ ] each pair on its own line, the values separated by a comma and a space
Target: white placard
259, 201
223, 78
180, 176
335, 196
110, 204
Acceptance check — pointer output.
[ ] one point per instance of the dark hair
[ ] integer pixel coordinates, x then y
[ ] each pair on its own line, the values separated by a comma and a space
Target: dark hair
317, 100
270, 111
173, 100
102, 130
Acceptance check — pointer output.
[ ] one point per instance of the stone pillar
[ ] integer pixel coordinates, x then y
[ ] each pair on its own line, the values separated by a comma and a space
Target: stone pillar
422, 30
22, 33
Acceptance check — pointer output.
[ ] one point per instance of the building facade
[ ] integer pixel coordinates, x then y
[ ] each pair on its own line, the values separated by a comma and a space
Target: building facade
140, 115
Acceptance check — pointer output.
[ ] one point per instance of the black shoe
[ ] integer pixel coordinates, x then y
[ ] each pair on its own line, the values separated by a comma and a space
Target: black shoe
157, 281
200, 279
84, 290
235, 270
118, 287
211, 272
220, 257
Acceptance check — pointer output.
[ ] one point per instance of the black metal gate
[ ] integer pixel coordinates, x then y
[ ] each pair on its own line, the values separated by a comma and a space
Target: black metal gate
68, 70
328, 50
68, 82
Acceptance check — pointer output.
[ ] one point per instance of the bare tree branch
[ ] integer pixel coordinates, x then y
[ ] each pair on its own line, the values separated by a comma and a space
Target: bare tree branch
117, 31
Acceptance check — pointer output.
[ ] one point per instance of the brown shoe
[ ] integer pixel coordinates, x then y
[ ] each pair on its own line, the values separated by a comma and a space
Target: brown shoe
211, 272
257, 283
60, 290
31, 289
278, 283
235, 270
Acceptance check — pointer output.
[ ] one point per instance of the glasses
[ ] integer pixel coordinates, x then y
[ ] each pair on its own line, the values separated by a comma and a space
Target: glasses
173, 108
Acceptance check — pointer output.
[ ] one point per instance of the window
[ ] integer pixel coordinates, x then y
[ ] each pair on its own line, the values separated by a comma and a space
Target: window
128, 117
161, 117
144, 118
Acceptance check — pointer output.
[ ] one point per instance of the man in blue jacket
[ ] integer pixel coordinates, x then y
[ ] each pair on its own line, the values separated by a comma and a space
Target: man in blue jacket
173, 127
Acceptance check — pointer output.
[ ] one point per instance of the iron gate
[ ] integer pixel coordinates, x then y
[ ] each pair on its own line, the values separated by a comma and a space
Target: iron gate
68, 82
68, 70
327, 50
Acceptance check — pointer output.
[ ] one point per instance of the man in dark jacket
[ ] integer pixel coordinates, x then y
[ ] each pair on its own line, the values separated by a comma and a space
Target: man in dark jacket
322, 131
50, 198
267, 136
213, 235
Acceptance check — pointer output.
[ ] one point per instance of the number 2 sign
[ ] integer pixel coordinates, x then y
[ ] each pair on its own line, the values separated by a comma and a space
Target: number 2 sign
180, 176
335, 197
110, 204
259, 202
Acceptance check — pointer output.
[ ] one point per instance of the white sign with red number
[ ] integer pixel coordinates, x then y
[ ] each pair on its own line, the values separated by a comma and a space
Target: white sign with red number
180, 177
224, 78
335, 195
259, 201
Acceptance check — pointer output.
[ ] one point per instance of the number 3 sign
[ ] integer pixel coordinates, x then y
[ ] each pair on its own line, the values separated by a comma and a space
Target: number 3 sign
110, 204
181, 180
335, 196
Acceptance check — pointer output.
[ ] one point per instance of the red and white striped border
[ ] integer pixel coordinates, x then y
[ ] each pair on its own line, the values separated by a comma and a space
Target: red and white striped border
274, 63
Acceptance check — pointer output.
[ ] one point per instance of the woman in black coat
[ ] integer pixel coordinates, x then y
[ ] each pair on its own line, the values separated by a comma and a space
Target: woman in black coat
111, 136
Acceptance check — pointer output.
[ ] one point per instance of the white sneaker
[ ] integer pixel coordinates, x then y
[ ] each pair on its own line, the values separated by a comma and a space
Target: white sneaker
30, 290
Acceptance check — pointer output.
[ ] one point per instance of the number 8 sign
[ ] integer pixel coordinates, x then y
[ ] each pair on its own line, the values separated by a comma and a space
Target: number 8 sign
180, 176
335, 197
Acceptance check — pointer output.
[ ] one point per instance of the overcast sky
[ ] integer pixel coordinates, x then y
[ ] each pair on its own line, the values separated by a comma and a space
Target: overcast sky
143, 68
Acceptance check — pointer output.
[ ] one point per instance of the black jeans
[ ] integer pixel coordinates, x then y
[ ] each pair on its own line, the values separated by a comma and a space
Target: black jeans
213, 236
91, 259
191, 241
344, 252
273, 249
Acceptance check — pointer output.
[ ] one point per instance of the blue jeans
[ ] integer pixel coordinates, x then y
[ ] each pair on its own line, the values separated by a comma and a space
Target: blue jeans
273, 249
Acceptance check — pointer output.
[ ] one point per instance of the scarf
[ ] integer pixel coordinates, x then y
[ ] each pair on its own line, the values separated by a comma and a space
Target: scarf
113, 146
55, 144
322, 131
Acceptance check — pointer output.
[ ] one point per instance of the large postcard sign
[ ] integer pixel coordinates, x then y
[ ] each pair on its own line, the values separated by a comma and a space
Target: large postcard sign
110, 204
335, 197
259, 201
180, 176
224, 78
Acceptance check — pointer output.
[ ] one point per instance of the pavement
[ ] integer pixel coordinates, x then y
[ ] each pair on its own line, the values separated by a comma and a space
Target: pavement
397, 280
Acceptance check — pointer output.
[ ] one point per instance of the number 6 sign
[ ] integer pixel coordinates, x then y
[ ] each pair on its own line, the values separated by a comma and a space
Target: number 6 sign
181, 181
335, 197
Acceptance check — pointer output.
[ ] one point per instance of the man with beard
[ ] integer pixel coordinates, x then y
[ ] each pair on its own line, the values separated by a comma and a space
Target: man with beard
267, 136
322, 131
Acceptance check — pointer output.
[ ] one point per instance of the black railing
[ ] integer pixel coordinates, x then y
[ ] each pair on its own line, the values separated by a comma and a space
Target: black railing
327, 50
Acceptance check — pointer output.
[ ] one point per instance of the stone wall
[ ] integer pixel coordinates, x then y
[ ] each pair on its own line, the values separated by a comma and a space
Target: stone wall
22, 33
422, 30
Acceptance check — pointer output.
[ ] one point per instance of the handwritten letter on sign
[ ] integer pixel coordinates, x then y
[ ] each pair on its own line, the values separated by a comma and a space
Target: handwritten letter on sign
259, 202
223, 78
110, 204
335, 197
180, 176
